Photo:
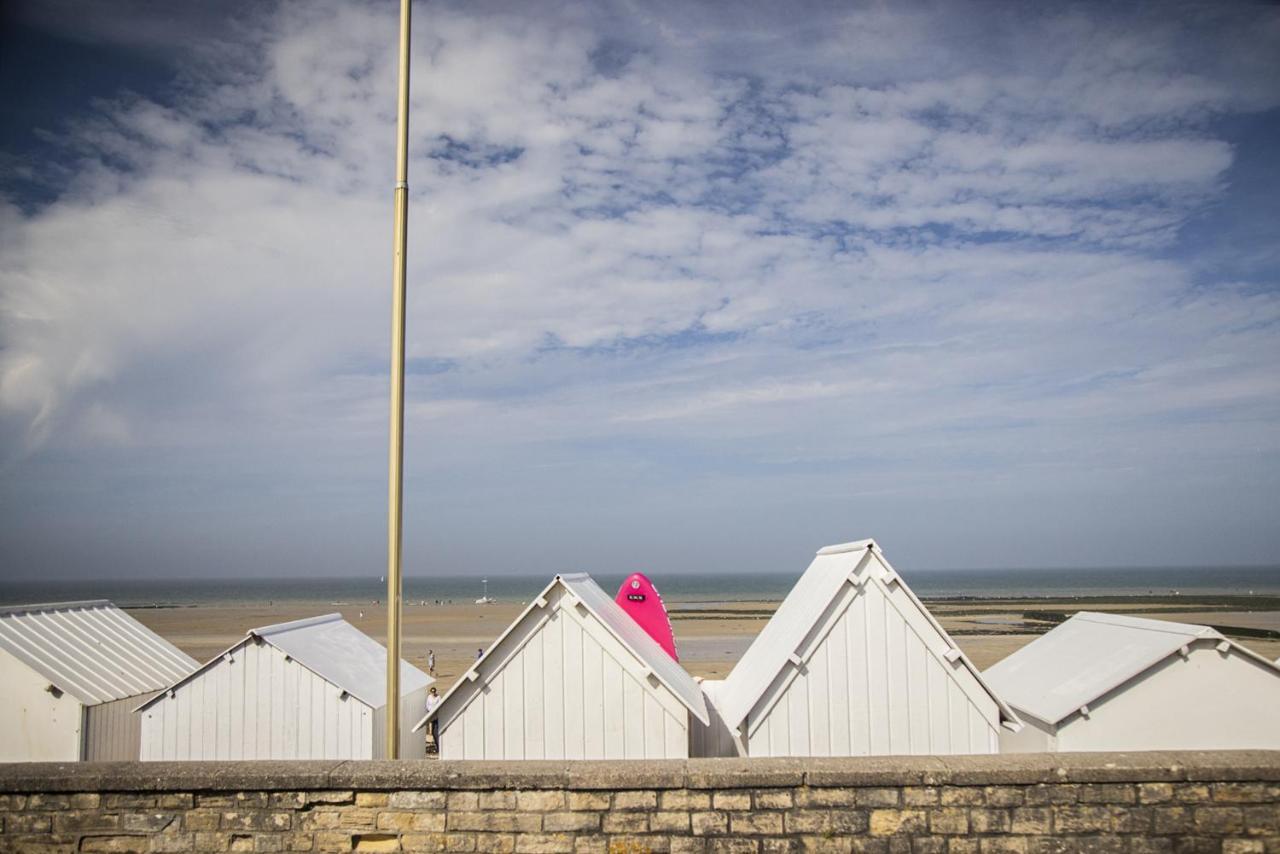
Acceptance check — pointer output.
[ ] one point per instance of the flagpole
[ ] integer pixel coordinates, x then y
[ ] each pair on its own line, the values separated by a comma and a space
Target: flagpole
395, 478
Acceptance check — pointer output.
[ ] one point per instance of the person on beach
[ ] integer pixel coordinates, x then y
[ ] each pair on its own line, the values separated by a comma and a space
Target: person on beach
479, 653
431, 662
433, 700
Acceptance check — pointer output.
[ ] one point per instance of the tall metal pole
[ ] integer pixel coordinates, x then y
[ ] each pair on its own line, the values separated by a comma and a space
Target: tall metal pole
396, 475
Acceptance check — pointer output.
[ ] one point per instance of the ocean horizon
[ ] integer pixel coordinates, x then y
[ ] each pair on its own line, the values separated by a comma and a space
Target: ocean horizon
675, 588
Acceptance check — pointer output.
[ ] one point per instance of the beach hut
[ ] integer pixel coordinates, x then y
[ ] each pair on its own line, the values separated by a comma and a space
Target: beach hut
573, 677
1114, 682
73, 672
852, 664
309, 689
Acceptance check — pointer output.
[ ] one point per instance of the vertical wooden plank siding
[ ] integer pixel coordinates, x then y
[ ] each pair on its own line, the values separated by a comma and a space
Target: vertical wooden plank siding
840, 722
565, 688
554, 710
535, 696
257, 705
470, 740
592, 711
858, 678
112, 732
874, 681
494, 743
574, 709
195, 704
715, 739
899, 681
169, 743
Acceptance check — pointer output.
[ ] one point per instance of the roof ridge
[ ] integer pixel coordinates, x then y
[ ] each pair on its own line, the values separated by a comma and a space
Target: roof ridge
80, 604
277, 628
1146, 624
851, 546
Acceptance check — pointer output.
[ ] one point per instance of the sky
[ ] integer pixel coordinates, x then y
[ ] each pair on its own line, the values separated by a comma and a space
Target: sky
693, 287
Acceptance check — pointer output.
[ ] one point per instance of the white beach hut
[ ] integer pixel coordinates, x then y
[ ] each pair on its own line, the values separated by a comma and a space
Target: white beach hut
1113, 682
852, 664
73, 672
574, 677
309, 689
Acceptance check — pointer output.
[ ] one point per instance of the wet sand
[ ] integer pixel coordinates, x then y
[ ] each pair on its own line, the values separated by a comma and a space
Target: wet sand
711, 638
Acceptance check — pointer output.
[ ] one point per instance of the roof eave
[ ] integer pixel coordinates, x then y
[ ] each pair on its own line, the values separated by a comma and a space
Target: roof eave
700, 712
466, 679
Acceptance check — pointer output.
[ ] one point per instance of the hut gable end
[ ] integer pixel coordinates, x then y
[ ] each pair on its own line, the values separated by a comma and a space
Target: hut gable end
563, 682
1104, 681
852, 663
309, 689
253, 702
1093, 656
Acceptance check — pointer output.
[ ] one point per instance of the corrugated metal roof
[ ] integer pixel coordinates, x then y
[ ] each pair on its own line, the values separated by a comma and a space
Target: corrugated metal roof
91, 650
621, 626
1087, 656
344, 655
798, 614
336, 651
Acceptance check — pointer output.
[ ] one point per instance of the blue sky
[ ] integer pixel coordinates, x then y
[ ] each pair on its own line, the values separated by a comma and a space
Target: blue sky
692, 286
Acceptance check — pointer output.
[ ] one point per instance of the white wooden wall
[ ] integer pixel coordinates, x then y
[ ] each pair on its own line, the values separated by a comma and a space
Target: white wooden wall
113, 731
874, 681
413, 745
36, 726
258, 705
1208, 701
714, 739
1034, 737
565, 688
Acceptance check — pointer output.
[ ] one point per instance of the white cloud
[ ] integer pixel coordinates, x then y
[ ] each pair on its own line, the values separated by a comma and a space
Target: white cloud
800, 258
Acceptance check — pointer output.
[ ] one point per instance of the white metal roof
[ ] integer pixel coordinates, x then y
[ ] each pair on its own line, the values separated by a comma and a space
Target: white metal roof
799, 612
336, 651
1086, 657
91, 650
581, 586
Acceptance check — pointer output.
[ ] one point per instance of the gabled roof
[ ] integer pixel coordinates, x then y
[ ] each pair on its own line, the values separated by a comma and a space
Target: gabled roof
334, 650
1089, 655
583, 589
799, 613
91, 650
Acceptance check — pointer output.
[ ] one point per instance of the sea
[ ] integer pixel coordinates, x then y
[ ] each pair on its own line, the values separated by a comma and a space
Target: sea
694, 590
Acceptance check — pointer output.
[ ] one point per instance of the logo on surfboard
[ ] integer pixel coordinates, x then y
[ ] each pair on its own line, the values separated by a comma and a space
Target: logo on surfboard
642, 602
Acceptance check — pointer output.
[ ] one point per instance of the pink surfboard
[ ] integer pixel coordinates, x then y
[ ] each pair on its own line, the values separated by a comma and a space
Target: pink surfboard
642, 602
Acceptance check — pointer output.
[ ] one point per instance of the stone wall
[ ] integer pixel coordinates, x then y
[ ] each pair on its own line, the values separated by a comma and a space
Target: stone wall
1225, 802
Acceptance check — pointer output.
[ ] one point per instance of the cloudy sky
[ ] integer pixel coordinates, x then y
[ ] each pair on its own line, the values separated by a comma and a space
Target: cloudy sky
693, 286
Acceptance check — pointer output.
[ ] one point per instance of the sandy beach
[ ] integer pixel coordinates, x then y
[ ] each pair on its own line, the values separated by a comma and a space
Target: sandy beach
711, 639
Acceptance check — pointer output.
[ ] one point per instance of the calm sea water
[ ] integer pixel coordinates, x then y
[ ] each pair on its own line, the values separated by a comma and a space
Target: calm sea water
985, 583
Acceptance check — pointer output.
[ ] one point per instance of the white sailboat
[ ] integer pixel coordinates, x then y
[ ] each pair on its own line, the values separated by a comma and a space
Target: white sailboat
486, 599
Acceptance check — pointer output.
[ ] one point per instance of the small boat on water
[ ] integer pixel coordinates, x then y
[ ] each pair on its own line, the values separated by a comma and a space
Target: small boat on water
486, 599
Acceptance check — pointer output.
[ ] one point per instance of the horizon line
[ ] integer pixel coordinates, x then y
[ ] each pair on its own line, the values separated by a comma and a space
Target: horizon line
717, 574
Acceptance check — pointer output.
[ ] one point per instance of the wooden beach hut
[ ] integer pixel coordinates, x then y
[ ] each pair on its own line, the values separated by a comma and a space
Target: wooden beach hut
1114, 682
73, 672
574, 677
308, 689
853, 664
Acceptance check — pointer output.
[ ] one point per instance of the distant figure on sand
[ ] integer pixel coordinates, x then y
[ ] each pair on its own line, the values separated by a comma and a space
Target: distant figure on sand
431, 666
479, 653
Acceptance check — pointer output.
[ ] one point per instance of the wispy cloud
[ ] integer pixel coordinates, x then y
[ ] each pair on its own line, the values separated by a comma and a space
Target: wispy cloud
708, 266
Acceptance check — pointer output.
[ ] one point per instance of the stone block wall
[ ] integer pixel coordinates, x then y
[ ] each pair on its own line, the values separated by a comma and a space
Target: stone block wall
1220, 802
